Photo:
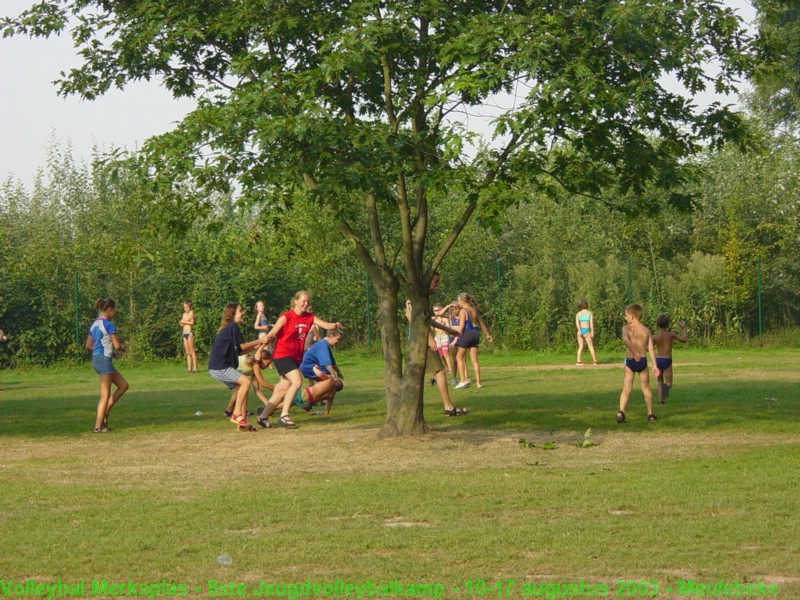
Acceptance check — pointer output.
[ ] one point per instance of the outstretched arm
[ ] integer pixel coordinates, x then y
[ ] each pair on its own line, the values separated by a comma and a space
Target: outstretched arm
327, 324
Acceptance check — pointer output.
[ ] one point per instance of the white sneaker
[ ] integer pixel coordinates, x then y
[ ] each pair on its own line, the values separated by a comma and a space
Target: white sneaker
462, 385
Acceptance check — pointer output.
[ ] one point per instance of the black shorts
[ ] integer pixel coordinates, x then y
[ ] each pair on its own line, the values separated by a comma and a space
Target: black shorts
285, 365
469, 338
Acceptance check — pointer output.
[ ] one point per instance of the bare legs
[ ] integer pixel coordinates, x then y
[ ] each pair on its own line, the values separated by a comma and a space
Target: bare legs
191, 354
588, 340
461, 361
283, 395
107, 399
627, 386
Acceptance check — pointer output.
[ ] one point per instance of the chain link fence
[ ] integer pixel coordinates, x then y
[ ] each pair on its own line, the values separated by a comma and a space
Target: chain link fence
527, 307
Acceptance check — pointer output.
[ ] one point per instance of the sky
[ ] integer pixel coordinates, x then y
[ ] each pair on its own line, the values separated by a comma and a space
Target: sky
36, 119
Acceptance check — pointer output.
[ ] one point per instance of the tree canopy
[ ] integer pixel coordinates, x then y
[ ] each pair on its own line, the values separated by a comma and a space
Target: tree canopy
777, 77
367, 104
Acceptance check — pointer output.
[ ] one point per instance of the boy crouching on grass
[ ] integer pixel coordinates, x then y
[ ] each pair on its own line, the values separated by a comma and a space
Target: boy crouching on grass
638, 343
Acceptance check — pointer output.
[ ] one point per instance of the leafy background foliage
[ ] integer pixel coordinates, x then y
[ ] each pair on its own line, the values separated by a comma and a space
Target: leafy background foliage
99, 227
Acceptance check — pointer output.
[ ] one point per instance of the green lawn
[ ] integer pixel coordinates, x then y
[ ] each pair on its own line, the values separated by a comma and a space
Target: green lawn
706, 494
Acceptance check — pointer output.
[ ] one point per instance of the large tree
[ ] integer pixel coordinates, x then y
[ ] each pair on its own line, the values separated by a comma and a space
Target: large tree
777, 78
368, 105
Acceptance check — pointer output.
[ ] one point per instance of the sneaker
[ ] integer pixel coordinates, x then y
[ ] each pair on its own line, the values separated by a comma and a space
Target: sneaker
454, 381
227, 413
462, 385
579, 364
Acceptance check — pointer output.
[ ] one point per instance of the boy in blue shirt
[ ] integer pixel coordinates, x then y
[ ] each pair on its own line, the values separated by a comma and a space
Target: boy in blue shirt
318, 362
319, 365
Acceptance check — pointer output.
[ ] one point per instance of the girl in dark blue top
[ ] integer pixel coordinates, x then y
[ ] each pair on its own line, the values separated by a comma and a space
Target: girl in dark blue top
224, 360
468, 339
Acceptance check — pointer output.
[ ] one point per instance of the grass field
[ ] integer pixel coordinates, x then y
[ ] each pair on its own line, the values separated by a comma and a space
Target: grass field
503, 502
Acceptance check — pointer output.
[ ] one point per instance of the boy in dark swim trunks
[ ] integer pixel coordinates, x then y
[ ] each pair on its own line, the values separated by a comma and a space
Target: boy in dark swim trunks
663, 343
638, 343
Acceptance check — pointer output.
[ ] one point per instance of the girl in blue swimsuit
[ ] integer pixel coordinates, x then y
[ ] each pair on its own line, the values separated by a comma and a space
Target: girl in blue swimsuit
584, 321
262, 324
468, 339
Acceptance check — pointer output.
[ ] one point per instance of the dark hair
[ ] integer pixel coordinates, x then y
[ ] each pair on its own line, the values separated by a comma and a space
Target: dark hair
103, 304
189, 302
582, 305
662, 321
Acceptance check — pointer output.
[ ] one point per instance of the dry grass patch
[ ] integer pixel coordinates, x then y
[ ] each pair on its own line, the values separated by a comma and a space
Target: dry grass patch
192, 460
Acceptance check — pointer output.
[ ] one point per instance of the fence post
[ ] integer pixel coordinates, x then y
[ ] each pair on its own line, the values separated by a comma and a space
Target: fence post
758, 279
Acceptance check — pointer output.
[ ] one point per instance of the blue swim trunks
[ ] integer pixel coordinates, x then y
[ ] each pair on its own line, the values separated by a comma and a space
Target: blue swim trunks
663, 363
637, 366
298, 401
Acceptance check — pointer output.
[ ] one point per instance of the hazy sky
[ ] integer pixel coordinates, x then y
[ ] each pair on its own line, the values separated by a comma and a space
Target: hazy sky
34, 115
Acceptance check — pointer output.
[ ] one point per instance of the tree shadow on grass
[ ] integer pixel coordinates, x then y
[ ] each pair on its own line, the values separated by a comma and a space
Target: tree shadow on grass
739, 405
68, 414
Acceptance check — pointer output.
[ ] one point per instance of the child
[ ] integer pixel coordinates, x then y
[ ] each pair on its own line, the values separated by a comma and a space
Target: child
663, 343
321, 391
319, 365
442, 339
187, 323
468, 339
433, 362
289, 334
262, 324
102, 341
454, 323
318, 362
251, 366
584, 322
224, 360
638, 343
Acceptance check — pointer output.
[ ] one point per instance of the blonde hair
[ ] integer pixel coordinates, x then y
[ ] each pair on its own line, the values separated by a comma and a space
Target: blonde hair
469, 299
299, 295
634, 310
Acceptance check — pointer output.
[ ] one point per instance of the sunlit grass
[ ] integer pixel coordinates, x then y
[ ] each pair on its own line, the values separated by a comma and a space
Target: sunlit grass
705, 493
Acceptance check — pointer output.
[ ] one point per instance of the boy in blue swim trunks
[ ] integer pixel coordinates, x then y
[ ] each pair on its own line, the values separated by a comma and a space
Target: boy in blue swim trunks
663, 343
638, 344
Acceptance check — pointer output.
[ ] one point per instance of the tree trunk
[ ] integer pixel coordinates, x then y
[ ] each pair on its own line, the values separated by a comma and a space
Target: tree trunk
404, 383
